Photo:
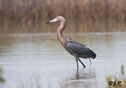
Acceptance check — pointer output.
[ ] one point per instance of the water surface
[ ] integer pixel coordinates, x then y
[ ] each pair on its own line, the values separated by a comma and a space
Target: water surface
39, 61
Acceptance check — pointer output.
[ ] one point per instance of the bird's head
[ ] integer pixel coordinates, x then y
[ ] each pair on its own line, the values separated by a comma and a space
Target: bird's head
58, 18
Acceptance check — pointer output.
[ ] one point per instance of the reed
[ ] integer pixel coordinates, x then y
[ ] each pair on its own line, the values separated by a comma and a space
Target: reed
94, 10
86, 11
115, 82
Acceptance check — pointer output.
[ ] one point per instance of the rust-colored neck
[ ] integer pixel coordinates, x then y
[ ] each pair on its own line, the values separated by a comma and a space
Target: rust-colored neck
60, 37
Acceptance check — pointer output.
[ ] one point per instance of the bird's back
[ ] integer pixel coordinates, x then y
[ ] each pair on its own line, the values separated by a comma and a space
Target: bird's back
78, 49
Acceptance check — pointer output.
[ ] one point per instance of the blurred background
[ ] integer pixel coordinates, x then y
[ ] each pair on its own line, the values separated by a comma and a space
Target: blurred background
31, 56
29, 16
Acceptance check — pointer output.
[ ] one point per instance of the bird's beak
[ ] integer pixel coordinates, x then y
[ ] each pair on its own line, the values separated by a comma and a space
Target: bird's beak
51, 21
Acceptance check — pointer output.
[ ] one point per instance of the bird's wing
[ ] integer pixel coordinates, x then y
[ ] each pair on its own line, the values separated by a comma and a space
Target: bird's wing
80, 50
69, 40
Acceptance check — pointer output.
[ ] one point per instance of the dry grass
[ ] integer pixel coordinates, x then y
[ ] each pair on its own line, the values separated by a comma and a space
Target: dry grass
21, 10
86, 11
115, 80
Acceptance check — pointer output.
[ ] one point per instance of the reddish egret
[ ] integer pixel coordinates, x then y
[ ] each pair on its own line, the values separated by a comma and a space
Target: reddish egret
76, 49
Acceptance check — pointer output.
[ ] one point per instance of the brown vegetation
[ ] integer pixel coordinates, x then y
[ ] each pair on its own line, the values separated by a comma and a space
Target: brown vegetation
80, 11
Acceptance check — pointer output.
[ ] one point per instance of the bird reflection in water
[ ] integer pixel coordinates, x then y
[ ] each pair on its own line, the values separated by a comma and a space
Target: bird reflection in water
81, 79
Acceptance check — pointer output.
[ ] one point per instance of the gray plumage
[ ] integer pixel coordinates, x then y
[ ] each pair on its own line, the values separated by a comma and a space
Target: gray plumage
79, 50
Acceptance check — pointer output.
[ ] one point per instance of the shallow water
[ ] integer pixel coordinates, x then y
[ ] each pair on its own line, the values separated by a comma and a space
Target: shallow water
39, 61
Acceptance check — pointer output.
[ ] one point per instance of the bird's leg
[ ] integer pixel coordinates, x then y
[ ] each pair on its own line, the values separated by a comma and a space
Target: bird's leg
82, 63
77, 75
90, 61
77, 62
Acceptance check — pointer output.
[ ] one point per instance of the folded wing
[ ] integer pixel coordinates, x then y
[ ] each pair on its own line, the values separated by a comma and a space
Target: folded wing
80, 50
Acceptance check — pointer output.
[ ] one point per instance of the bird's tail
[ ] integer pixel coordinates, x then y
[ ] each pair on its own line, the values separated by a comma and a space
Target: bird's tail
93, 54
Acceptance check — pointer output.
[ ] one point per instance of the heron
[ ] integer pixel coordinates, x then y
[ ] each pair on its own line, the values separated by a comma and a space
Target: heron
75, 48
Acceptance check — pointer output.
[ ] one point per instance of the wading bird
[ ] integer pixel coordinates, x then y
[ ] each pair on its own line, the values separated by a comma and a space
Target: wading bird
76, 49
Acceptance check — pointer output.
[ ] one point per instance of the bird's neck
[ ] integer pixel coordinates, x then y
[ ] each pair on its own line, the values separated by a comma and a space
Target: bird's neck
60, 36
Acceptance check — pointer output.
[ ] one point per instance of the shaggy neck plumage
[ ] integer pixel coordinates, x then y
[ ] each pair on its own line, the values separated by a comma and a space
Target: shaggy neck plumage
60, 36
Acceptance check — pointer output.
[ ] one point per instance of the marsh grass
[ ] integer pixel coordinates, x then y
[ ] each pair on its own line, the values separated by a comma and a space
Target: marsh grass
114, 78
82, 13
91, 10
2, 80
